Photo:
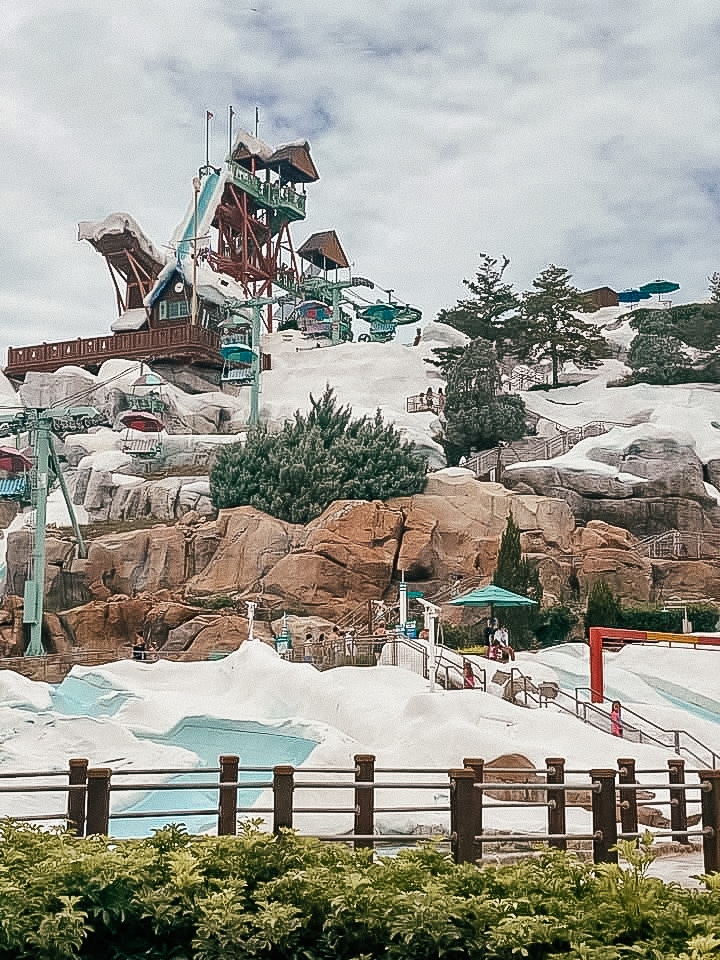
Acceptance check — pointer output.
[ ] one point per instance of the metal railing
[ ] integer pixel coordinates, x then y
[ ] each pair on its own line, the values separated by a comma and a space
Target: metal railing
425, 403
486, 462
53, 667
635, 727
681, 545
462, 794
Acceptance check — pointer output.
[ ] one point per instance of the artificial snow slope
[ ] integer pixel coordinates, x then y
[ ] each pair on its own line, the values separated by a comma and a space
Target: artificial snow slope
384, 710
675, 687
131, 715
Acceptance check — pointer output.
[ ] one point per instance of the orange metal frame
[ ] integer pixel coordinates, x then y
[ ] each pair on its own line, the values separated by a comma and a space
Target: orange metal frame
598, 635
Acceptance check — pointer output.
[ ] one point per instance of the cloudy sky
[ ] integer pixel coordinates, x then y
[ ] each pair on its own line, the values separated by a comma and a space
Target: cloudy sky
578, 132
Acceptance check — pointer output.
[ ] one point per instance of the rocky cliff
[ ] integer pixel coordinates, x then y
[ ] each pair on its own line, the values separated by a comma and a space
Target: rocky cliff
646, 484
164, 577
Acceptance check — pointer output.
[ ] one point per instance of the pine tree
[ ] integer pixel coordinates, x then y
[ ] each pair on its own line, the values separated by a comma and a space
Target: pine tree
548, 329
714, 287
476, 415
315, 459
603, 607
493, 301
516, 573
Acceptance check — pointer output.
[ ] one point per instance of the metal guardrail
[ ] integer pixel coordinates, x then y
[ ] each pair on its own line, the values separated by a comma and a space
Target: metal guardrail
425, 403
681, 545
637, 729
89, 794
486, 462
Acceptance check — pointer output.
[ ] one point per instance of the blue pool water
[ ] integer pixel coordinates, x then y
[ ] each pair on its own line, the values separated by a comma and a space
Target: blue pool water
256, 744
91, 696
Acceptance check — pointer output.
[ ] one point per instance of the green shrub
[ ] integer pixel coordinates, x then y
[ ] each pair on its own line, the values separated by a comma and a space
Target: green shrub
315, 459
554, 624
174, 897
704, 618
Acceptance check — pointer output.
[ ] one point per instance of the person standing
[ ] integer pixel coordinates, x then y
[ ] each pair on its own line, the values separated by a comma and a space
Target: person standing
616, 723
468, 676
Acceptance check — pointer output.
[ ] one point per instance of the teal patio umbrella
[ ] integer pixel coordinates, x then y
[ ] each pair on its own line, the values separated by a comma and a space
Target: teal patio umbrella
659, 287
493, 596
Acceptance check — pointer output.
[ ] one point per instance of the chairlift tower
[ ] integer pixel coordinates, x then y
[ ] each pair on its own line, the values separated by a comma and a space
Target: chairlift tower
40, 424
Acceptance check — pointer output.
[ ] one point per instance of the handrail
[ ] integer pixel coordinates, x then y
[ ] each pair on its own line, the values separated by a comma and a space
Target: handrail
675, 734
538, 448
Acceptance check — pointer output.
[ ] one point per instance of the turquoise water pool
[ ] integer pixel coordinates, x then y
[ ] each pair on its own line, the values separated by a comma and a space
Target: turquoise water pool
256, 744
90, 696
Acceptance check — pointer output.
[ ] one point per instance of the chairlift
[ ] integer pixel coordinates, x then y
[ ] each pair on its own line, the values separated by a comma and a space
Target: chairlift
315, 319
238, 357
384, 318
142, 436
147, 394
15, 467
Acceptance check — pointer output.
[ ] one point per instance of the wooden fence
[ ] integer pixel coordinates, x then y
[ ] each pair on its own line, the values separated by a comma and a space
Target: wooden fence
610, 797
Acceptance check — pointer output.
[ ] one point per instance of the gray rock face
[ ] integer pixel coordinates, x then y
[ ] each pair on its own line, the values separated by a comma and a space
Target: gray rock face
655, 485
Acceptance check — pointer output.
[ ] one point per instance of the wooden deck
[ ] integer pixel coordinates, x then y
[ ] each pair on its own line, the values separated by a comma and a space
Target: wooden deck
181, 342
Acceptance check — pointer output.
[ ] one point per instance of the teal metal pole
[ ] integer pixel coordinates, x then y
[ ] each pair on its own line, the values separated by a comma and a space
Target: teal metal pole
335, 314
254, 419
35, 586
82, 548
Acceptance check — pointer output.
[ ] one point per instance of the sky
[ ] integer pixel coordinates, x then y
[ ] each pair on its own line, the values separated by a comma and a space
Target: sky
580, 133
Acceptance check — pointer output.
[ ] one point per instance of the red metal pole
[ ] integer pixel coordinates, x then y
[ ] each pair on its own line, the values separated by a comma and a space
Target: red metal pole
597, 682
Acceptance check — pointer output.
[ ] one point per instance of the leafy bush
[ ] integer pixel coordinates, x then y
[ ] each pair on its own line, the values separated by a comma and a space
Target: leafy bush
233, 898
554, 624
315, 459
464, 637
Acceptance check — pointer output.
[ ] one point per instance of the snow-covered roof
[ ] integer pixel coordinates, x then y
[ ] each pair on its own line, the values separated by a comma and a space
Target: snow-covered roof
116, 224
134, 319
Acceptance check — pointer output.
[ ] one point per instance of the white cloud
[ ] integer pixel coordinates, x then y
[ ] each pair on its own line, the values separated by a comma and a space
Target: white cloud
580, 133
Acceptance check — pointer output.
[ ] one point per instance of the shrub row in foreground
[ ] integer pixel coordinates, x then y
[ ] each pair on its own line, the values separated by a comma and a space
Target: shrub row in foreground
175, 896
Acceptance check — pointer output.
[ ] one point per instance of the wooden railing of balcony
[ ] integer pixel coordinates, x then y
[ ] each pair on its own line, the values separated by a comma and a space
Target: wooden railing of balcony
181, 341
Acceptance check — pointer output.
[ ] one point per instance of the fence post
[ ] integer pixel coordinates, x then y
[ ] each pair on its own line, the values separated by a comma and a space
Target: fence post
710, 804
628, 798
227, 802
462, 815
603, 816
556, 802
283, 787
478, 768
678, 800
364, 799
77, 777
98, 801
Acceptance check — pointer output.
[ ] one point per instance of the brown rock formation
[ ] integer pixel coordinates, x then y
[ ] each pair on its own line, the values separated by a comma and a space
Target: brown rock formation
248, 544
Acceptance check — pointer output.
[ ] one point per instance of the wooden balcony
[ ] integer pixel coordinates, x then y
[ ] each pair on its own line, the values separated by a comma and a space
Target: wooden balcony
181, 342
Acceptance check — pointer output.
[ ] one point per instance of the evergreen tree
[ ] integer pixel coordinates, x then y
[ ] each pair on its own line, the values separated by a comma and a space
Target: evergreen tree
315, 459
476, 415
714, 287
492, 302
516, 573
547, 327
603, 607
